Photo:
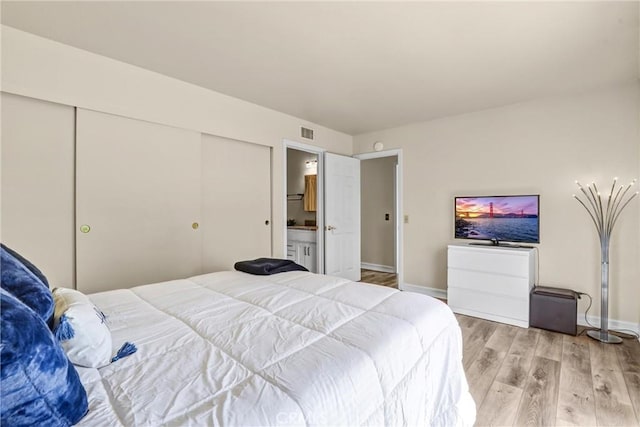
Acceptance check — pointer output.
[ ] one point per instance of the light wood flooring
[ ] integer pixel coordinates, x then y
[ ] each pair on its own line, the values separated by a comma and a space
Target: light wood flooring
524, 377
379, 278
533, 377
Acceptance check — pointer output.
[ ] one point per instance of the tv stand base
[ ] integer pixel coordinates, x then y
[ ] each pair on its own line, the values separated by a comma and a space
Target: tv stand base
500, 245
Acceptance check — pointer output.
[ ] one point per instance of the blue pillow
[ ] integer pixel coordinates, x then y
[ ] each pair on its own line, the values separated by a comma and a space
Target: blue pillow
32, 268
23, 282
40, 387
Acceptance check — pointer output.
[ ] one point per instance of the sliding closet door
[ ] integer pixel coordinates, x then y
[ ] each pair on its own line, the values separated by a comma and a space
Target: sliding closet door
37, 184
236, 188
138, 189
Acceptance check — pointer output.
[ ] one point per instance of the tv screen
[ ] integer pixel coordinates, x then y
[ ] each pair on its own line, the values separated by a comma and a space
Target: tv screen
498, 218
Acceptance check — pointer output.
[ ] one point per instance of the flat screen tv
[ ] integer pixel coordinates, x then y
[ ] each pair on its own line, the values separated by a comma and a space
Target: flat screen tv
498, 218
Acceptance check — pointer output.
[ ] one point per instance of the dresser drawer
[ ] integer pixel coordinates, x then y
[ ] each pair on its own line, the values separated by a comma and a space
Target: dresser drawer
291, 251
488, 306
491, 260
512, 286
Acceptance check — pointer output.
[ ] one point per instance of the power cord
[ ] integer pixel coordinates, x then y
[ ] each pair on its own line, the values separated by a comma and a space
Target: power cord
587, 310
623, 333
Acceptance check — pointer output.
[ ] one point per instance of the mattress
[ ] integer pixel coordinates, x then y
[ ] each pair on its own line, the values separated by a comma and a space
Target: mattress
294, 348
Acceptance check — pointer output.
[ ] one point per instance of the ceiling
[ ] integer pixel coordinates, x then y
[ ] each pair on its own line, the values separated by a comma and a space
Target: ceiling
358, 66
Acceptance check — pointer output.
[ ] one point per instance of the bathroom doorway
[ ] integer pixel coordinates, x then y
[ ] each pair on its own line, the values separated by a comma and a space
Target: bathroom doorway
303, 210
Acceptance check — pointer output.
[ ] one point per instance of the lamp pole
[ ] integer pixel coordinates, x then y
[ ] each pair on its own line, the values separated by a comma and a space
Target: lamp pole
604, 219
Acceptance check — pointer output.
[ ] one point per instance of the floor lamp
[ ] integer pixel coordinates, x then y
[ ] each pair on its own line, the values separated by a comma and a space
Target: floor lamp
604, 218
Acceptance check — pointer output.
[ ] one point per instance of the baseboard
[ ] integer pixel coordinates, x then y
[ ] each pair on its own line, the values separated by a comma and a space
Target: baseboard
377, 267
594, 320
432, 292
613, 323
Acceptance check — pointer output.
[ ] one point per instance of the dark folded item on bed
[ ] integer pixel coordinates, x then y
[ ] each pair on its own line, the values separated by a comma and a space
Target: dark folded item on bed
267, 266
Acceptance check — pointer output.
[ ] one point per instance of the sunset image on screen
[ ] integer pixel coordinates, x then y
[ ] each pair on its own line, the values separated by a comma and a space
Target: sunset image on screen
508, 218
497, 207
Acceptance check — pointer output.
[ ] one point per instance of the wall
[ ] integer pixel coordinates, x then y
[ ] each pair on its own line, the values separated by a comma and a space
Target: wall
296, 167
541, 147
377, 183
36, 67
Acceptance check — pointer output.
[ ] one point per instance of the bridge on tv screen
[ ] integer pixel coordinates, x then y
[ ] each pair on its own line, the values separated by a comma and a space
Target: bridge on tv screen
492, 214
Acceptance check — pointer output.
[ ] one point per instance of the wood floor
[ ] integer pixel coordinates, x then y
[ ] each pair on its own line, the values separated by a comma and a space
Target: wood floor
379, 278
533, 377
522, 377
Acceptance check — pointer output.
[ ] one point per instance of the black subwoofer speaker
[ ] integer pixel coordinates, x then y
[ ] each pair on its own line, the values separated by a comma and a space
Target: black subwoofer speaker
554, 309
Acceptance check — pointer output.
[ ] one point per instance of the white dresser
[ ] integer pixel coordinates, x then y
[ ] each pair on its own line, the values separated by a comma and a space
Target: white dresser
492, 283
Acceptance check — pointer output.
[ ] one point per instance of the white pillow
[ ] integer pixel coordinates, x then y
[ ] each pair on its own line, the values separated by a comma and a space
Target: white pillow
81, 329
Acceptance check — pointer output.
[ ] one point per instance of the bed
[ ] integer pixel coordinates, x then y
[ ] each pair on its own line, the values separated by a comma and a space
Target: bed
294, 348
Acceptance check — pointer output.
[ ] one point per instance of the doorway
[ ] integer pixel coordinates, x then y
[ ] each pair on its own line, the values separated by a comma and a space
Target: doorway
321, 220
304, 204
381, 217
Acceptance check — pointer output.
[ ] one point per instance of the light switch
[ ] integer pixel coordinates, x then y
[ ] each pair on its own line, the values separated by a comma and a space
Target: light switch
406, 219
386, 217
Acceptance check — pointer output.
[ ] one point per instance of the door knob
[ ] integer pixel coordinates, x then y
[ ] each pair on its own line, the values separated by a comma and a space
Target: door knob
266, 222
330, 227
85, 228
195, 225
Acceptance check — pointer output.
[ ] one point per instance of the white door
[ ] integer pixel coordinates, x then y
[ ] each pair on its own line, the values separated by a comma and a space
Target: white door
342, 216
37, 184
236, 202
138, 202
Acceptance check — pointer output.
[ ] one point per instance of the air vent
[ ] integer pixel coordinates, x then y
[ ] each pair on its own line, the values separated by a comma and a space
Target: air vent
306, 133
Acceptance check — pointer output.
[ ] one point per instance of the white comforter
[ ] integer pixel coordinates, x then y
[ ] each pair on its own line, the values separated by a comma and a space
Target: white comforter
294, 348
